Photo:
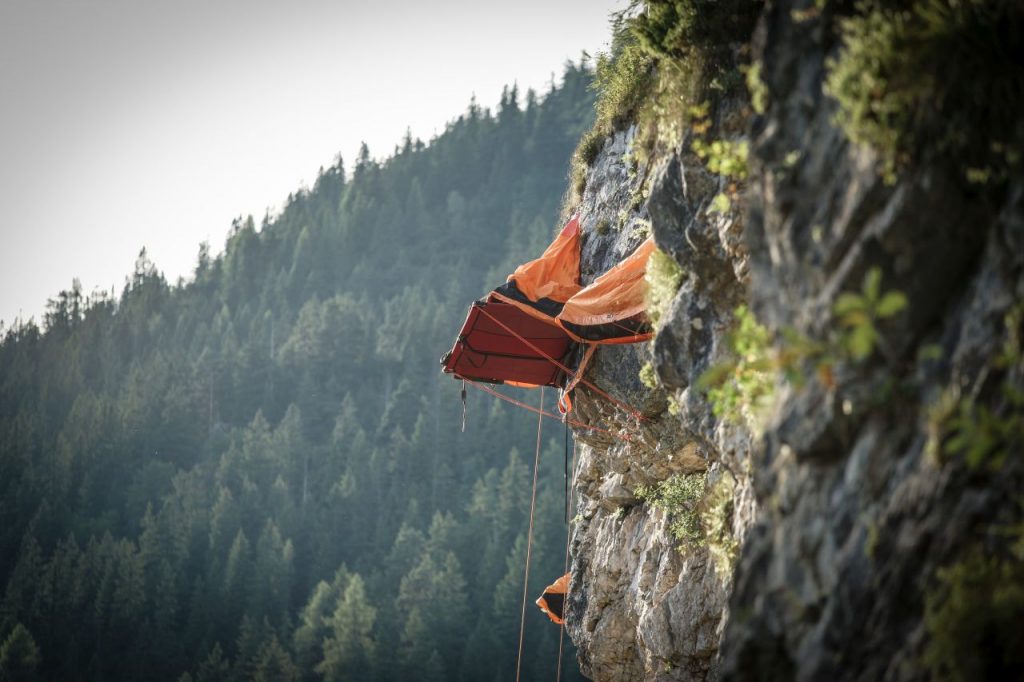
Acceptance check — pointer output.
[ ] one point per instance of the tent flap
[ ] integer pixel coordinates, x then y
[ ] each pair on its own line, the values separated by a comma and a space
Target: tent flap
556, 274
613, 308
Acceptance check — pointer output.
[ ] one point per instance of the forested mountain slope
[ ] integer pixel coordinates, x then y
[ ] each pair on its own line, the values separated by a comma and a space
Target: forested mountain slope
258, 473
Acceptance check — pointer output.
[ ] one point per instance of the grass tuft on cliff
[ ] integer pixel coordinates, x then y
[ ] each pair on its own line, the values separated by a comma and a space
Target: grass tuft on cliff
678, 496
922, 79
667, 55
973, 619
664, 277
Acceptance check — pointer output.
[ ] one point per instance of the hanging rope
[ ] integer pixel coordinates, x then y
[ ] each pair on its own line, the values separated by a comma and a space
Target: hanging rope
565, 604
532, 346
565, 466
463, 405
529, 533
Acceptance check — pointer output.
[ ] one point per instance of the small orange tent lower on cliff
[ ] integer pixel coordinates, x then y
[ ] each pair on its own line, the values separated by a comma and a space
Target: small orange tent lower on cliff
552, 602
527, 331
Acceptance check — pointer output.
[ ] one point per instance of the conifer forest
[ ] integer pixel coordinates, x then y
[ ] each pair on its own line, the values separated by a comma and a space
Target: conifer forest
258, 472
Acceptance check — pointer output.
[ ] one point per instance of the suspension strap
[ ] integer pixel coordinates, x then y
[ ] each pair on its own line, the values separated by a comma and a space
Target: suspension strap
518, 403
565, 395
532, 346
529, 532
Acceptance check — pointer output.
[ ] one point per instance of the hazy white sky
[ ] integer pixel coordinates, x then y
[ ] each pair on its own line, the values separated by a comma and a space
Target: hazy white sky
131, 123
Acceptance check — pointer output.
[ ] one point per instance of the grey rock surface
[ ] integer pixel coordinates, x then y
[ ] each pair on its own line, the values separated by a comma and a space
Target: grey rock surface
842, 511
643, 605
855, 517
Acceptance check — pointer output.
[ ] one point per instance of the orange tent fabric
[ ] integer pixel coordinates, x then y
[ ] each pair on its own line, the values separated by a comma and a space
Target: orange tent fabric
613, 308
552, 602
556, 274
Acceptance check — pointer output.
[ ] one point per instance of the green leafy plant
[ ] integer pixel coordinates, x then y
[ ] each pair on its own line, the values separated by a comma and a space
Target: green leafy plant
739, 387
677, 28
756, 86
972, 618
664, 277
667, 55
648, 377
987, 435
678, 497
724, 157
858, 314
699, 515
720, 204
717, 523
622, 79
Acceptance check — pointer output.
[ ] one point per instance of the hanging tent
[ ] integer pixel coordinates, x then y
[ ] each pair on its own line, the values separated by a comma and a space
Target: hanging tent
527, 331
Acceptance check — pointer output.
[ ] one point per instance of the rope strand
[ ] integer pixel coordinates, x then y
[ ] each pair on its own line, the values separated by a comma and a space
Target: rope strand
529, 533
565, 602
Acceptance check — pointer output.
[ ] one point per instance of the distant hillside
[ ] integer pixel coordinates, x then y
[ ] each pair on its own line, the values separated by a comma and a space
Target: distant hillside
258, 473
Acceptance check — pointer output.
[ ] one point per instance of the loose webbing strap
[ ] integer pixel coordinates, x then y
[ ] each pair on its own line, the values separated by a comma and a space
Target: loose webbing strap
529, 533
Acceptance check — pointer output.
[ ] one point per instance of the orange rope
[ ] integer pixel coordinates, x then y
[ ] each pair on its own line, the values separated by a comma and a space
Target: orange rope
529, 533
487, 389
568, 538
628, 408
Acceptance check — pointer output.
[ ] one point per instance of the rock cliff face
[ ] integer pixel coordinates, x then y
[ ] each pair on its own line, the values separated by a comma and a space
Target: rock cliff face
642, 605
842, 512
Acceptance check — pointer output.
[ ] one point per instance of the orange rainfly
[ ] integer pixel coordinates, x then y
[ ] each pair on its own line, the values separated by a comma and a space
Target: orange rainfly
613, 308
541, 286
556, 274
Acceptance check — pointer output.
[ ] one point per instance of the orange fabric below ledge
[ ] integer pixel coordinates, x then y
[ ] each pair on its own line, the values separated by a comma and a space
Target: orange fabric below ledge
552, 602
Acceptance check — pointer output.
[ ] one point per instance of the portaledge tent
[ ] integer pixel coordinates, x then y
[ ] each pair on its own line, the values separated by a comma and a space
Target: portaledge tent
528, 331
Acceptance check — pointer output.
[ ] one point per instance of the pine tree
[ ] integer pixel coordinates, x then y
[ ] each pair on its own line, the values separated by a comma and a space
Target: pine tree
349, 652
19, 656
275, 664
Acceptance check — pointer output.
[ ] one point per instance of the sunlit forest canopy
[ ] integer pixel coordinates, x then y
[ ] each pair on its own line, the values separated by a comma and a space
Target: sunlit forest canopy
258, 473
